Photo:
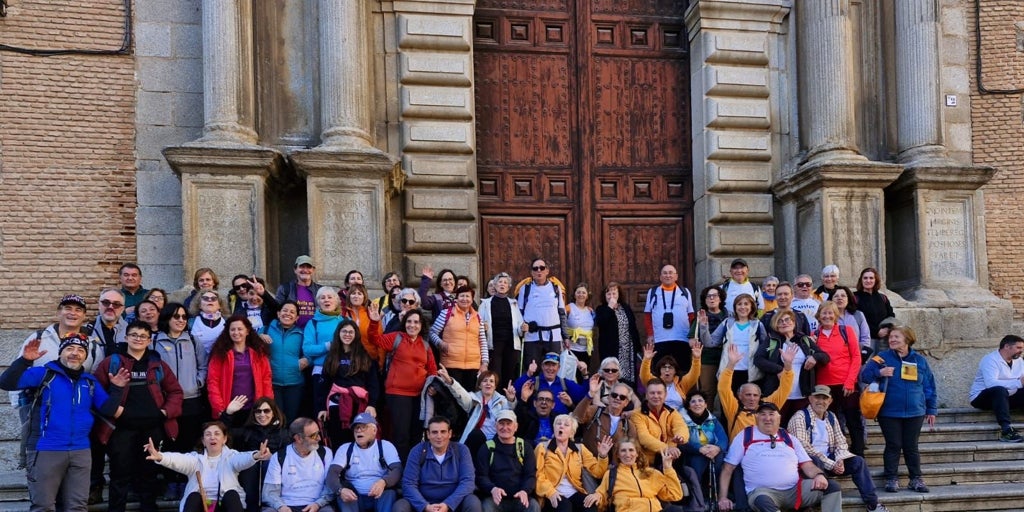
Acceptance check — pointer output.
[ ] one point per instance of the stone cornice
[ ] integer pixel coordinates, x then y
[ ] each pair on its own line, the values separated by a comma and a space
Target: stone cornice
745, 15
945, 177
225, 159
851, 174
350, 162
458, 7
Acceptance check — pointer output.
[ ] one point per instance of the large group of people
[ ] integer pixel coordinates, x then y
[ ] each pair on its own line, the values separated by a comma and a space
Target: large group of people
319, 398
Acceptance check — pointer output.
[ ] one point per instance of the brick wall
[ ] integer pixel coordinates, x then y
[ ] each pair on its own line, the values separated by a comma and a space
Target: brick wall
998, 137
67, 187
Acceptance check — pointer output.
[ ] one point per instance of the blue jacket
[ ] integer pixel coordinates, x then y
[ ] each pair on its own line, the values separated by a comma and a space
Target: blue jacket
712, 429
63, 417
285, 352
318, 335
427, 481
903, 398
576, 391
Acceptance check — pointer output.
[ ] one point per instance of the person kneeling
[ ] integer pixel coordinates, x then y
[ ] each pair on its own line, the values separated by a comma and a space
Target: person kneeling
762, 450
365, 472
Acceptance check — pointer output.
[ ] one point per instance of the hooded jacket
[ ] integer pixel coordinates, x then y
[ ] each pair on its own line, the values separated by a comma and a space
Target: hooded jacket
163, 388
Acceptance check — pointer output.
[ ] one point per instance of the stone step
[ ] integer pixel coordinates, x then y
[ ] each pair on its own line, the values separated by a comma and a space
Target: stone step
954, 473
947, 498
945, 433
951, 452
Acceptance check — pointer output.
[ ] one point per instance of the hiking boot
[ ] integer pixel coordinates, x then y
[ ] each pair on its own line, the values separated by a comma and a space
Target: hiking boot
892, 485
879, 508
917, 485
1011, 436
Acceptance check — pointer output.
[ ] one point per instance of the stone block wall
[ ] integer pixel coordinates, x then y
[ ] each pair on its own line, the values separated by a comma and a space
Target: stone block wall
998, 138
67, 174
168, 49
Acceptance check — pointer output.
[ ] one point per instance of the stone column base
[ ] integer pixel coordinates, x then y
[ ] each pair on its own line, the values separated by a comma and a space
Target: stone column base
833, 214
224, 206
347, 192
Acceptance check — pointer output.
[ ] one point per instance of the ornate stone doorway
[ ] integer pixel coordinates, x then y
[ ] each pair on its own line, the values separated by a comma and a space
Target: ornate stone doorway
583, 139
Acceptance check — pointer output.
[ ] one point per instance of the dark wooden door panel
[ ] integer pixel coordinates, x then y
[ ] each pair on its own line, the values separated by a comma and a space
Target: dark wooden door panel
583, 139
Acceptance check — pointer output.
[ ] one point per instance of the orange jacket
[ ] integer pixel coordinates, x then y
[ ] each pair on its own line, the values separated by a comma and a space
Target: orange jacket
655, 433
553, 465
684, 383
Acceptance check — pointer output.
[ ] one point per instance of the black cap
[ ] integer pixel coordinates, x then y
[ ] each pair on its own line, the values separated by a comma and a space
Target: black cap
738, 262
769, 406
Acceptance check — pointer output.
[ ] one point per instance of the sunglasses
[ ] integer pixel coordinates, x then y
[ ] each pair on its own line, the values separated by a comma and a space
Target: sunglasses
618, 396
180, 317
408, 301
544, 399
266, 410
803, 285
209, 298
314, 435
610, 370
539, 268
111, 304
243, 287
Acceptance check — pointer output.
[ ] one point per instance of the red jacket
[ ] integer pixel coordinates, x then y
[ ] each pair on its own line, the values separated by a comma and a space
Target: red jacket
166, 392
411, 363
221, 373
844, 358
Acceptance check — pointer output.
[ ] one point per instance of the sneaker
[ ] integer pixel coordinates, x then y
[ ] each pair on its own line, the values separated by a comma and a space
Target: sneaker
879, 508
1011, 436
892, 485
917, 485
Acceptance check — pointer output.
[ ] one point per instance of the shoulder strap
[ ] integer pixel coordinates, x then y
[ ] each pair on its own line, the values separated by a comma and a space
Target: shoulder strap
322, 452
115, 364
748, 437
520, 449
612, 473
380, 452
284, 452
786, 437
490, 448
842, 332
526, 296
652, 297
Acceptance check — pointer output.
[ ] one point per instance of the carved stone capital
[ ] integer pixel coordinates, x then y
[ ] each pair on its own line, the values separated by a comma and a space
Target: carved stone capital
853, 174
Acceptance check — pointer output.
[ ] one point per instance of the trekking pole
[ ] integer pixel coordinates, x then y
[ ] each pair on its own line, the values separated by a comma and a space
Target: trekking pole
712, 488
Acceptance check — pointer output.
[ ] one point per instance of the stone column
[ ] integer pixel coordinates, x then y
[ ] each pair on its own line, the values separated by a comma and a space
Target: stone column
918, 103
346, 93
736, 56
825, 40
228, 72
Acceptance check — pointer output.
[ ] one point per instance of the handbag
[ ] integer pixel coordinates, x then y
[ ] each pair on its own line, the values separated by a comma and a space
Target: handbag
871, 399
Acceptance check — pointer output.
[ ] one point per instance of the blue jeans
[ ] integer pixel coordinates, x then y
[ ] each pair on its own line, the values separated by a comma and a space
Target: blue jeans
289, 398
366, 503
858, 470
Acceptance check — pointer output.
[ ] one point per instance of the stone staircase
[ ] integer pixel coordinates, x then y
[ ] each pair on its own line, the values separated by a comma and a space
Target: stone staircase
964, 464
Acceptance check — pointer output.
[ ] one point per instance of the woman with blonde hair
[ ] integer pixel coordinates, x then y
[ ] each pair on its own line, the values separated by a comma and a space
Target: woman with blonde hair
638, 488
561, 463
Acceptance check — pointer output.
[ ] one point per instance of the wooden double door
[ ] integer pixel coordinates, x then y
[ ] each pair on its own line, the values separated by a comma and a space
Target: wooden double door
583, 139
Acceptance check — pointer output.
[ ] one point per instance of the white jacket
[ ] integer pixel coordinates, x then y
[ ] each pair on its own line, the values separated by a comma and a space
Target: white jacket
189, 463
517, 322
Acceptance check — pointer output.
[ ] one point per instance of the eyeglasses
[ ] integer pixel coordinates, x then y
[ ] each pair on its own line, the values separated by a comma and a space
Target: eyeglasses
408, 301
785, 320
182, 316
265, 410
803, 285
610, 370
111, 304
539, 268
712, 296
618, 396
314, 435
209, 298
667, 367
135, 336
544, 399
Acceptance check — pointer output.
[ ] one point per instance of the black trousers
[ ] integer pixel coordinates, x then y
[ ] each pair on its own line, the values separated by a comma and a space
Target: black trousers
129, 467
999, 400
229, 502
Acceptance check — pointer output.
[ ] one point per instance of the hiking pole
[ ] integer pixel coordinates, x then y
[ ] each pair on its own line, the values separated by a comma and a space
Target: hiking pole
712, 488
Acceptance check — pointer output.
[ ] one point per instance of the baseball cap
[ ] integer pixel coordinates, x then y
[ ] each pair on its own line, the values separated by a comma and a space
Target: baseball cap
304, 260
72, 299
823, 390
551, 357
364, 418
767, 406
74, 339
505, 414
738, 261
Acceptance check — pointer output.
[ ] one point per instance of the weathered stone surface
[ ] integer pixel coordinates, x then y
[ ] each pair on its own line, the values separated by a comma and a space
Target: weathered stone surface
431, 31
345, 229
740, 208
452, 236
427, 169
438, 137
435, 68
437, 102
440, 203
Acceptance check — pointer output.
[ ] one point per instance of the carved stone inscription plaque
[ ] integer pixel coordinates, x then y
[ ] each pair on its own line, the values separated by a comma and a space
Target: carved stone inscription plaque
854, 236
948, 240
225, 220
347, 231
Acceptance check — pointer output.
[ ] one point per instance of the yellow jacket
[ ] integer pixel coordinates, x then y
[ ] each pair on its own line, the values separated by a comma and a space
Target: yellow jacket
739, 420
655, 433
684, 383
641, 490
553, 465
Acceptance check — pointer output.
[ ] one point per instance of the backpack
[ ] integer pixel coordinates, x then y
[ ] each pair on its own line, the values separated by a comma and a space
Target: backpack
115, 366
520, 449
26, 426
348, 458
612, 473
842, 332
652, 297
556, 287
394, 348
807, 423
748, 438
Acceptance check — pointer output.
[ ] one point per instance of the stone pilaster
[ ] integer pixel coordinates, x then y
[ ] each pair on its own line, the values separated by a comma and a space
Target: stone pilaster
224, 206
735, 58
228, 98
437, 134
828, 130
346, 92
918, 103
